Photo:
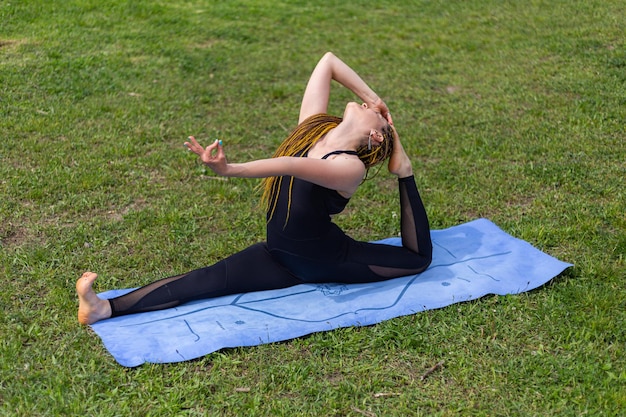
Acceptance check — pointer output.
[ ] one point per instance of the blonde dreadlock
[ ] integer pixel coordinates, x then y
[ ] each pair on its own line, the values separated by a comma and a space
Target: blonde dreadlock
302, 139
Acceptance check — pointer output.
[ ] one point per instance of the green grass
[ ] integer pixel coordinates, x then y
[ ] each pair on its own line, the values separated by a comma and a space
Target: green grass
512, 111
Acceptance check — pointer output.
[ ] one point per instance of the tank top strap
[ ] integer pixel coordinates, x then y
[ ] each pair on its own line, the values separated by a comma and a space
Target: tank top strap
339, 152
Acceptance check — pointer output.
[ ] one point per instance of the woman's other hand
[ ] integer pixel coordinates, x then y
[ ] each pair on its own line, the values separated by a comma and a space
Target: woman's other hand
213, 155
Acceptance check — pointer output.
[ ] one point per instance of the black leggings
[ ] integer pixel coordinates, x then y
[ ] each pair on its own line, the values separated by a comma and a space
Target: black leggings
257, 268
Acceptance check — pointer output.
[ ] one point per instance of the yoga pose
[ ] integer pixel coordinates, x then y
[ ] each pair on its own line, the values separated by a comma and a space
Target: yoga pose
312, 176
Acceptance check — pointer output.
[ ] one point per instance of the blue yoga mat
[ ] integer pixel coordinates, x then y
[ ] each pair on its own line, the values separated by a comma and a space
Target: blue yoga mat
469, 261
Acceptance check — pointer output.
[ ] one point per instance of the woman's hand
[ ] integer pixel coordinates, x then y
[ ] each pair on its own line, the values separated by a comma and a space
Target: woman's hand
213, 155
379, 104
399, 162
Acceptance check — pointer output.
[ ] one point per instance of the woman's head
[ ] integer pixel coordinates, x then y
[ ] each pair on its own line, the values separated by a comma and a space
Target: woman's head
377, 133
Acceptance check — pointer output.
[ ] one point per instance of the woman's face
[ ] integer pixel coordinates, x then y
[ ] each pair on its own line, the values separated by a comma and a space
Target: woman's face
364, 116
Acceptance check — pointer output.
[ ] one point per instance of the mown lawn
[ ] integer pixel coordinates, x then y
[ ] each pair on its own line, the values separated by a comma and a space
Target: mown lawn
513, 111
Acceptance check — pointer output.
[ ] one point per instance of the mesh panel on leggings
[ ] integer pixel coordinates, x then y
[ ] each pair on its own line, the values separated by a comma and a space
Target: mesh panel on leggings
415, 230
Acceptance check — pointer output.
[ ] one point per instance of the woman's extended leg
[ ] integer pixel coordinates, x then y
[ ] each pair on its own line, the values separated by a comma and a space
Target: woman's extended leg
252, 269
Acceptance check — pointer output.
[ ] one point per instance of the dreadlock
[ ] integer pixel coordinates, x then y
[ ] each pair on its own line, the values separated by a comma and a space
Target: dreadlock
302, 139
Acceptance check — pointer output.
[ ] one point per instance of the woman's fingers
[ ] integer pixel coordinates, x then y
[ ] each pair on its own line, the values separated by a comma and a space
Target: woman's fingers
213, 155
384, 110
194, 146
212, 147
199, 150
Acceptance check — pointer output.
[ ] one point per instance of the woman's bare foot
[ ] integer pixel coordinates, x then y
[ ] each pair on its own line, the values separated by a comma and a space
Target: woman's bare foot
399, 162
91, 308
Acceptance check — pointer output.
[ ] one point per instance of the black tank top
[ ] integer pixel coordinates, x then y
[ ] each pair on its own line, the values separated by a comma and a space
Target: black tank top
308, 210
339, 152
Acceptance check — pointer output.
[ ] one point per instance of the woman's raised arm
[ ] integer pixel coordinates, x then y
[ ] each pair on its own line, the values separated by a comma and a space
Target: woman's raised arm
317, 93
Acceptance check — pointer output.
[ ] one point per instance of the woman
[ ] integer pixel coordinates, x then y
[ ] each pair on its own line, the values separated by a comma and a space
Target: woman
311, 177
